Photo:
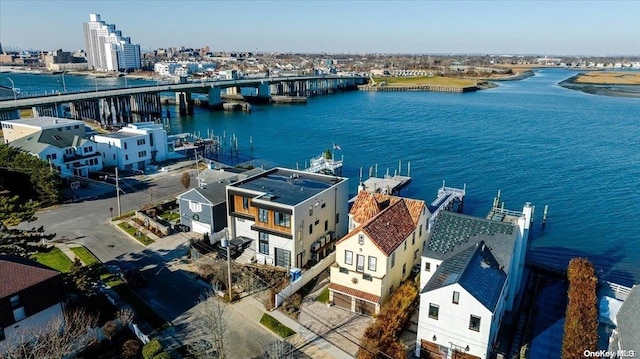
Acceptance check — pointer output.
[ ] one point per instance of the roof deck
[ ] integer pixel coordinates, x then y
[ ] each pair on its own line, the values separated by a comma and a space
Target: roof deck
288, 187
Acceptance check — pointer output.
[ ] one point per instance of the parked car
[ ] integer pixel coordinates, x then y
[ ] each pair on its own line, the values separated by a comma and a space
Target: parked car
181, 227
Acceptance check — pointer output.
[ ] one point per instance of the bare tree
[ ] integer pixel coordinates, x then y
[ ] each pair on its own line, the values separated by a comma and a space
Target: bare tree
63, 335
185, 179
279, 349
214, 321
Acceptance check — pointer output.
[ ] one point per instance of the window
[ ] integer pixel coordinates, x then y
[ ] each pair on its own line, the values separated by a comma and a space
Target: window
337, 217
348, 257
263, 215
323, 205
373, 263
76, 127
368, 277
326, 225
434, 310
415, 254
68, 128
344, 270
283, 219
456, 297
310, 228
420, 231
151, 140
263, 243
413, 238
195, 206
311, 210
393, 259
141, 142
405, 245
360, 263
126, 157
90, 148
361, 239
18, 309
16, 302
404, 268
142, 153
427, 267
245, 203
474, 323
125, 145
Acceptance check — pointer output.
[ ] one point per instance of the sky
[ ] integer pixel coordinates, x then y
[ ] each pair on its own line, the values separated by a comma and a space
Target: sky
602, 28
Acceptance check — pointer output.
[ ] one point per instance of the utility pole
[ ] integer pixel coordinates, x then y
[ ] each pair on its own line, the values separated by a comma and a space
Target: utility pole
118, 194
226, 234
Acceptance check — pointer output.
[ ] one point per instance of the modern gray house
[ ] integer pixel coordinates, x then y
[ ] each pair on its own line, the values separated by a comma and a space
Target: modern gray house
203, 208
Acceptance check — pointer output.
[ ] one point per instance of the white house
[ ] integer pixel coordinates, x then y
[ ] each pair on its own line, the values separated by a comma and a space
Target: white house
293, 217
133, 147
386, 238
471, 276
15, 129
69, 154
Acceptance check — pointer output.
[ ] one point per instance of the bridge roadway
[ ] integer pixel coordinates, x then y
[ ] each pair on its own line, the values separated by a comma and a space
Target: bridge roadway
198, 87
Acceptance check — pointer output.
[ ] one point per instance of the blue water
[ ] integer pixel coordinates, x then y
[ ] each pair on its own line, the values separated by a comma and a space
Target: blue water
532, 139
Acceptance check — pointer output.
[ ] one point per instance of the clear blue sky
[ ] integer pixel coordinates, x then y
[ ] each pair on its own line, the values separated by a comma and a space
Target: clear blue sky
492, 27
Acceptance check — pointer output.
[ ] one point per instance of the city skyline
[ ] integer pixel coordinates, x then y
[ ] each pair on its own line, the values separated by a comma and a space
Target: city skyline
437, 27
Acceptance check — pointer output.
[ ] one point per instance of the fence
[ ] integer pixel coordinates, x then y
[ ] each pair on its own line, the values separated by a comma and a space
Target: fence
306, 277
143, 337
152, 223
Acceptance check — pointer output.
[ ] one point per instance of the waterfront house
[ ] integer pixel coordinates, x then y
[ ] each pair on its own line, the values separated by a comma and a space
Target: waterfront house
386, 237
203, 208
31, 294
69, 154
625, 338
15, 129
134, 147
292, 218
471, 277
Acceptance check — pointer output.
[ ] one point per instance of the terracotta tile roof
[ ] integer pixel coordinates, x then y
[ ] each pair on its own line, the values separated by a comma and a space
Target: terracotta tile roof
354, 293
368, 205
18, 273
389, 228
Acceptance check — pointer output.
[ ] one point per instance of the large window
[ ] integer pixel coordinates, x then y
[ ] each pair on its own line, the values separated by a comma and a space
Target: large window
263, 215
434, 310
18, 309
474, 323
245, 203
373, 263
456, 297
195, 206
427, 267
348, 257
283, 219
360, 263
263, 243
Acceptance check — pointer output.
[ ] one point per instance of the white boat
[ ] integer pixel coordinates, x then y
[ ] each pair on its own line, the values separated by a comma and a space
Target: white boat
324, 165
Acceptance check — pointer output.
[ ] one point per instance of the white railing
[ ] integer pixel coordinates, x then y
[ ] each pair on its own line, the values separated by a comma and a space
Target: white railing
620, 291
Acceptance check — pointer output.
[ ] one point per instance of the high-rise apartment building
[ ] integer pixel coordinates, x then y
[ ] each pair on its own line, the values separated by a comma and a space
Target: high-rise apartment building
107, 49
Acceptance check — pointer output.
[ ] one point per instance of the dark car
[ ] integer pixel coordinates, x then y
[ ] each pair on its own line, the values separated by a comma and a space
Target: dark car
181, 228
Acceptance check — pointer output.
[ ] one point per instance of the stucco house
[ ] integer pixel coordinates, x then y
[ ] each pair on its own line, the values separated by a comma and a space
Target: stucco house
471, 278
386, 238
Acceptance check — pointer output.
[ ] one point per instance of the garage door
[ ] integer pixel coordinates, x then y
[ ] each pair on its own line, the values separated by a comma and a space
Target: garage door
200, 227
283, 257
458, 354
365, 308
429, 350
342, 300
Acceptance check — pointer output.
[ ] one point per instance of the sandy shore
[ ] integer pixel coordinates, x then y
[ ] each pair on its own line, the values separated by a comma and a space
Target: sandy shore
602, 87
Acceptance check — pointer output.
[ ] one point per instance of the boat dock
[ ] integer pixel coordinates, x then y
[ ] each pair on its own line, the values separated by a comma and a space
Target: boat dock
386, 185
447, 199
324, 165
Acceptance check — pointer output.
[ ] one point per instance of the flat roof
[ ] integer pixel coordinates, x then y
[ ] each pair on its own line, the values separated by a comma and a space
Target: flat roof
45, 122
119, 135
289, 187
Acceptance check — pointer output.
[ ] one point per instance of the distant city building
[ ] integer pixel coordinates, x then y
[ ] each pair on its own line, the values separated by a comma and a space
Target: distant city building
182, 68
59, 60
107, 49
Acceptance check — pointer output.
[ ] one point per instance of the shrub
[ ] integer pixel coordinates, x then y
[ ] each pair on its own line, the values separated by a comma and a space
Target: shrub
151, 349
581, 323
163, 355
131, 349
275, 326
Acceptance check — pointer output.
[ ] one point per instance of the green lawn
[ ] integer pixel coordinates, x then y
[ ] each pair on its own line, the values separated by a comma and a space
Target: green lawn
55, 259
85, 256
324, 296
132, 231
275, 326
170, 216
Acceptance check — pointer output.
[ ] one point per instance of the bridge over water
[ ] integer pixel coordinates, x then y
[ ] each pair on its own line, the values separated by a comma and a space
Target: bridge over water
121, 105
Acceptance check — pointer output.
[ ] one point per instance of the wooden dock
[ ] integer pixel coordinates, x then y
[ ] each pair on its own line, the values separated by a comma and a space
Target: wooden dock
386, 185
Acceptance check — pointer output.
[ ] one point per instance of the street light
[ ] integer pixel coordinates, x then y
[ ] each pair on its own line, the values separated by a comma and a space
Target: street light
13, 87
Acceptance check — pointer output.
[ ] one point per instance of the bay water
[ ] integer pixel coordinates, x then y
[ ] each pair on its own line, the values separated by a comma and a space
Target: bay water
532, 139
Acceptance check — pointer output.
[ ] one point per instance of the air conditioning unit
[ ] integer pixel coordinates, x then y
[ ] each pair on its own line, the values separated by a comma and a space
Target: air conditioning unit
315, 246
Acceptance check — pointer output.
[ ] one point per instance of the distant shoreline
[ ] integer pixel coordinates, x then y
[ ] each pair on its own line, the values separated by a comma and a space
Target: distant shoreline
604, 89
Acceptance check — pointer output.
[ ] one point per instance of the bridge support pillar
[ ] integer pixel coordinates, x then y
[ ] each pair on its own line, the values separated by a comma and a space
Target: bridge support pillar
264, 90
232, 90
53, 110
10, 114
215, 100
184, 103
